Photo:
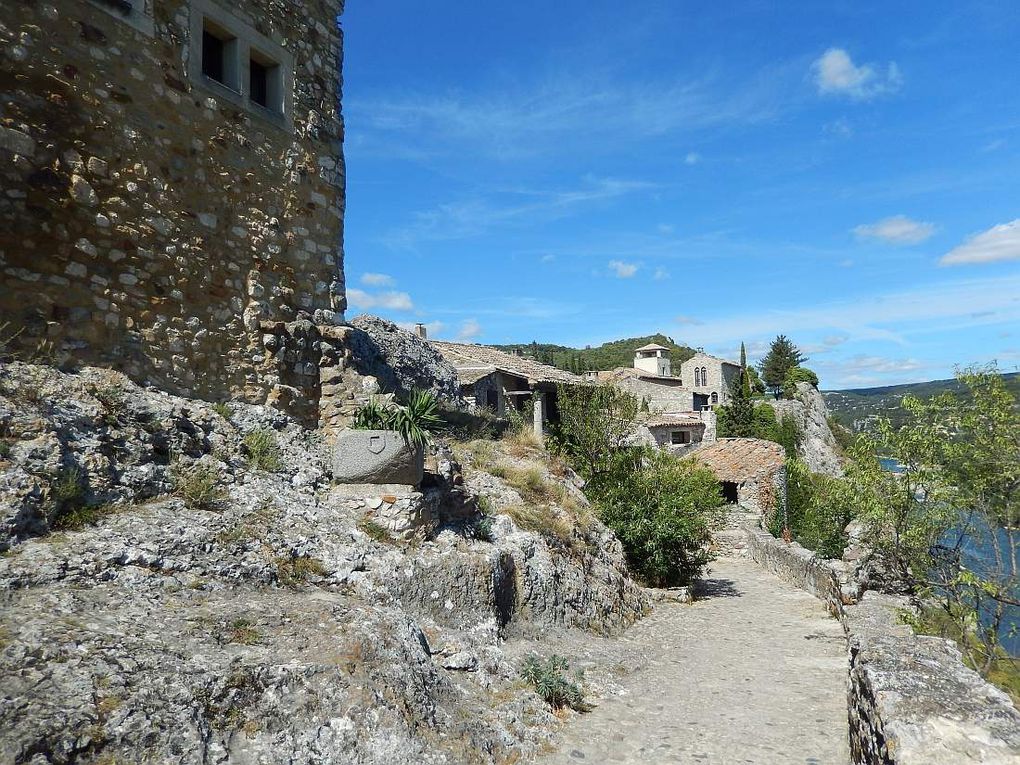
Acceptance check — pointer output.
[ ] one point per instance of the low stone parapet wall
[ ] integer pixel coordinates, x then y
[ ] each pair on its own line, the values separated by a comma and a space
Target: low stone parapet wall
911, 699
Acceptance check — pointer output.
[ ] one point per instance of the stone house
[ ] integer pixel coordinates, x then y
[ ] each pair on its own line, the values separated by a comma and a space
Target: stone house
751, 472
498, 380
709, 379
678, 433
173, 193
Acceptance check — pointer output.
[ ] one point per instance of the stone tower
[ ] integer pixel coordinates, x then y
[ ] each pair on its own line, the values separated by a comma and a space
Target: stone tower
173, 190
653, 359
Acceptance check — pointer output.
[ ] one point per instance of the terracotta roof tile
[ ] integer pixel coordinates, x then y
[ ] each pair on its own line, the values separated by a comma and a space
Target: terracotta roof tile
465, 356
740, 459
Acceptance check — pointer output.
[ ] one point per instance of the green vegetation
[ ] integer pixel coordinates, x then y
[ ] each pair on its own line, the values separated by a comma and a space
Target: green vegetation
80, 516
662, 509
783, 356
415, 422
374, 530
243, 631
223, 410
5, 448
818, 509
595, 423
263, 450
548, 676
295, 571
612, 355
796, 375
198, 486
858, 408
659, 506
957, 490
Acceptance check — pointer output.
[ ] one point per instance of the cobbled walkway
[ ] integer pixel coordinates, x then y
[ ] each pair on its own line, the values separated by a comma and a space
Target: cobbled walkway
755, 672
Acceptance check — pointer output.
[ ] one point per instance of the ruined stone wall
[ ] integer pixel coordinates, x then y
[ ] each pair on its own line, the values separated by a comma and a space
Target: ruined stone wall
660, 398
158, 223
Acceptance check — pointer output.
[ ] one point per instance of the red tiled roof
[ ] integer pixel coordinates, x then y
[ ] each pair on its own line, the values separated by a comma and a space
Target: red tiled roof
741, 459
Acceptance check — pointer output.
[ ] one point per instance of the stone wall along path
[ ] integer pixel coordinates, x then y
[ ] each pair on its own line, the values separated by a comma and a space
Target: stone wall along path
754, 672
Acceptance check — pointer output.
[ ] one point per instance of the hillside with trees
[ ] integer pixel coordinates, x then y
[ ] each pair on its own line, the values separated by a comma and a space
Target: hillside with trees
611, 355
857, 409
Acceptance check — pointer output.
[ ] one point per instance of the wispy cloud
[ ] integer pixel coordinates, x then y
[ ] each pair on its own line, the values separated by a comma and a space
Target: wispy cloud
473, 217
661, 275
996, 244
469, 330
688, 321
836, 73
899, 229
888, 317
377, 280
692, 158
557, 111
623, 270
392, 301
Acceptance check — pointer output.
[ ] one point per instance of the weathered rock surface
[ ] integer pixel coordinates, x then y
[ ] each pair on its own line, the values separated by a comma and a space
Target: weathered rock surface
818, 448
376, 456
276, 625
400, 360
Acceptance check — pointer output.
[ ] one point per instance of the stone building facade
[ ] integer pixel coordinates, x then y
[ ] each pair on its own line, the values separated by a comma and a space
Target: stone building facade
173, 192
709, 379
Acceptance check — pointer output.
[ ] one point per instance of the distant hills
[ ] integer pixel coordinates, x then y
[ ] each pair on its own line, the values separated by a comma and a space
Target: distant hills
855, 408
618, 353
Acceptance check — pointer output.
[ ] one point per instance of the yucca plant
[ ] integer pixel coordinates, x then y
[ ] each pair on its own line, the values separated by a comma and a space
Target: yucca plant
414, 422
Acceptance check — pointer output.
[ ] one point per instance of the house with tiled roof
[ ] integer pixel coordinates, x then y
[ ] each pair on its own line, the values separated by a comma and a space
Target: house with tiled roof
750, 471
498, 380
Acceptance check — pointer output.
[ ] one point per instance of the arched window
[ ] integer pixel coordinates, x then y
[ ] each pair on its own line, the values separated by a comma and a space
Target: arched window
704, 376
697, 377
715, 397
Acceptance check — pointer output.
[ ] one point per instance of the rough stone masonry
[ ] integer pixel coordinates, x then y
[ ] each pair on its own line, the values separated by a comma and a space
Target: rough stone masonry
173, 193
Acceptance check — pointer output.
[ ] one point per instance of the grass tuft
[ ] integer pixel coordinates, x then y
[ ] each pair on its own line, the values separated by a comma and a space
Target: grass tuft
374, 530
293, 572
263, 450
198, 486
223, 410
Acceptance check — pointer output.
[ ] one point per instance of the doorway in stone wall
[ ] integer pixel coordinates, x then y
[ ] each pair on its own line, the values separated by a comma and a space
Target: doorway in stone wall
729, 491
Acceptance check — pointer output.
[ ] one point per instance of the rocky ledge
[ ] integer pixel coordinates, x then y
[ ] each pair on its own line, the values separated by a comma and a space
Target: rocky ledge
265, 615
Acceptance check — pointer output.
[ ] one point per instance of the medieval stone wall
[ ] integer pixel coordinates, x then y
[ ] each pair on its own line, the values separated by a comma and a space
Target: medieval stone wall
157, 222
719, 376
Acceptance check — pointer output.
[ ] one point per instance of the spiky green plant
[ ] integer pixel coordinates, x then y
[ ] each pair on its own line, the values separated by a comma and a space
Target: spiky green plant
414, 422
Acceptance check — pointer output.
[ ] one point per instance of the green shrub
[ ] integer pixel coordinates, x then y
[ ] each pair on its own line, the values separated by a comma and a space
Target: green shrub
552, 684
5, 448
818, 509
481, 528
198, 486
78, 517
223, 410
243, 631
263, 450
662, 509
796, 375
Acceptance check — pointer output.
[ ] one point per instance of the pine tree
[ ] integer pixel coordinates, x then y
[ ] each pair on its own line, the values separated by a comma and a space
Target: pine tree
783, 356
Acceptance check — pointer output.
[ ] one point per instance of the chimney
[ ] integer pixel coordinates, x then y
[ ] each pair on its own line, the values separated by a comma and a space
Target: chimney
421, 331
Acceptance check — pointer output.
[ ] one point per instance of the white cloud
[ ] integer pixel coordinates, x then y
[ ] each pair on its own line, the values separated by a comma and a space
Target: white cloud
392, 301
899, 229
835, 72
998, 243
623, 270
665, 229
840, 128
469, 330
377, 280
661, 274
692, 158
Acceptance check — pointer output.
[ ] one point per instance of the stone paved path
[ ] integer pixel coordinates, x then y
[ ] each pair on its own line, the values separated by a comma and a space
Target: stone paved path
753, 673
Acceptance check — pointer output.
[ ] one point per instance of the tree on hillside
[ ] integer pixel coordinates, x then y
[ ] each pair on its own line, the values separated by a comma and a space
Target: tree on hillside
595, 423
783, 356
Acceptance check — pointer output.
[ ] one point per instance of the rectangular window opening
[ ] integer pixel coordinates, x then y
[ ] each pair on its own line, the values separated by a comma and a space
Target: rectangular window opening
265, 86
219, 55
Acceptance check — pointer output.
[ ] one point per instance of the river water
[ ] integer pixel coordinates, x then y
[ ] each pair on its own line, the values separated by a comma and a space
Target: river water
978, 551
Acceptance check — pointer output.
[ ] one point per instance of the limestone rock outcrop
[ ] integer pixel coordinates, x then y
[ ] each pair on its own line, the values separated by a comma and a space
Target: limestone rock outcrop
817, 448
275, 618
400, 360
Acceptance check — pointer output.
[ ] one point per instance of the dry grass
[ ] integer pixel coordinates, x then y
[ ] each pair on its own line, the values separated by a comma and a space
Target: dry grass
374, 530
541, 519
293, 572
522, 442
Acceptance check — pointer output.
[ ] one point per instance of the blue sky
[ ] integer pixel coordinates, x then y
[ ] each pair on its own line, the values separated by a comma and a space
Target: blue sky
847, 173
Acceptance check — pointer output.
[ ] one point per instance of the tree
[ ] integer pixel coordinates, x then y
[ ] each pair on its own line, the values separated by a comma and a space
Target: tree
595, 422
783, 356
739, 415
